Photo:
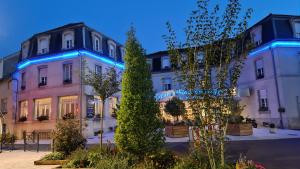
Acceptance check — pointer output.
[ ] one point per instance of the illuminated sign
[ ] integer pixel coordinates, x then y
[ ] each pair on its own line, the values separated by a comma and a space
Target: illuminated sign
69, 55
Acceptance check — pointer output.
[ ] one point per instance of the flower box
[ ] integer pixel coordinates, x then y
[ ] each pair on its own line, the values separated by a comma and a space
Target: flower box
242, 129
177, 131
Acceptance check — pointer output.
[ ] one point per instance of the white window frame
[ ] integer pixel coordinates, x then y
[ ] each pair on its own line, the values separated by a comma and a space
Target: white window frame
25, 49
43, 105
112, 52
24, 108
41, 49
165, 62
43, 79
68, 43
67, 71
68, 104
96, 36
166, 86
256, 35
259, 70
263, 99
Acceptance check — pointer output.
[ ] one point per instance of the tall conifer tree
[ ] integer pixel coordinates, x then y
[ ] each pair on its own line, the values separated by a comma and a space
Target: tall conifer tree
139, 128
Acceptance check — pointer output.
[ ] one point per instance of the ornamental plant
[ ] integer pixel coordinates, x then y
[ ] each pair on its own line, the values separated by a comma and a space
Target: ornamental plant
175, 107
139, 129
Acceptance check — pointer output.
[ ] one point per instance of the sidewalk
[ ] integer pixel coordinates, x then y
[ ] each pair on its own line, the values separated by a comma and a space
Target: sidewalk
258, 134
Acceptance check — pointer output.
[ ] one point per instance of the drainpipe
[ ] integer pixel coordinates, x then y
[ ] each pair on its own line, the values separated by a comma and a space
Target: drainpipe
276, 86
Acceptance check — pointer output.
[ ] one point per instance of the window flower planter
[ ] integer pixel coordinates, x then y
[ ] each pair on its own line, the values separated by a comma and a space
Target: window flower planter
22, 119
42, 118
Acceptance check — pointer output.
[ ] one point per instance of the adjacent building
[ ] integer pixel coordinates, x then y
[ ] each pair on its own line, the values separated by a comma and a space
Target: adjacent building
268, 86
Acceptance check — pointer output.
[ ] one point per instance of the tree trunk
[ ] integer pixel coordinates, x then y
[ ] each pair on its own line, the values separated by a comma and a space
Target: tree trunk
101, 123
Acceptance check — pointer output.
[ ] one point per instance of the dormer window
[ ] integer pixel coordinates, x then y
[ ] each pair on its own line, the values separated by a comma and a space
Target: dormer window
297, 28
97, 42
112, 49
166, 62
68, 40
256, 36
25, 49
43, 44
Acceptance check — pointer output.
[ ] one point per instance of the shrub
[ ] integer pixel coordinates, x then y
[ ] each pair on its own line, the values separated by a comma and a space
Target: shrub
175, 107
235, 119
67, 136
78, 159
42, 118
22, 119
54, 156
162, 159
7, 138
116, 162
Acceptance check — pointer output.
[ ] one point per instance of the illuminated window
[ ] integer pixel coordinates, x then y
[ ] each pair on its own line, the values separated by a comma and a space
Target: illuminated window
42, 107
68, 105
259, 69
43, 44
256, 35
262, 100
43, 76
68, 40
23, 108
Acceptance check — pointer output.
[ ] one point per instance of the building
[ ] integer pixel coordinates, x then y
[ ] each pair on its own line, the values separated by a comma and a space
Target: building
49, 72
268, 86
8, 93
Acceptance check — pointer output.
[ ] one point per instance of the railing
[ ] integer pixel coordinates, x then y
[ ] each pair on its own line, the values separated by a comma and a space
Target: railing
297, 35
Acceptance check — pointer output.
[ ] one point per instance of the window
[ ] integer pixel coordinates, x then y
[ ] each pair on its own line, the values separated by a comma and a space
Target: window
25, 49
42, 107
97, 42
43, 44
112, 49
166, 62
166, 84
256, 36
23, 81
67, 73
98, 106
68, 40
23, 108
43, 76
259, 66
3, 105
297, 29
68, 105
98, 70
262, 100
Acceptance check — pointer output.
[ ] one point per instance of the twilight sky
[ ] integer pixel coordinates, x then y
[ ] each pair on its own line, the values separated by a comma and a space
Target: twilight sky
20, 19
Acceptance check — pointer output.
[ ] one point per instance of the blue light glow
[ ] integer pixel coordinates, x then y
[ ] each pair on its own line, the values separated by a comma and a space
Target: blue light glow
275, 44
69, 55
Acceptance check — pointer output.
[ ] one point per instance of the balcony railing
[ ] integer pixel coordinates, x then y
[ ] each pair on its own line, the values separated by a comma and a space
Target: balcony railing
297, 35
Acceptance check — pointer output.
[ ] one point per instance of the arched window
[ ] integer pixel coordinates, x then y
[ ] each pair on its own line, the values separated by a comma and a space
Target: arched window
111, 49
97, 42
68, 40
43, 44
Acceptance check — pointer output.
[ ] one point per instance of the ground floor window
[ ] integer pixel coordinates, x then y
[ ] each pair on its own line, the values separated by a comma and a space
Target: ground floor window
98, 106
113, 101
42, 107
68, 105
23, 108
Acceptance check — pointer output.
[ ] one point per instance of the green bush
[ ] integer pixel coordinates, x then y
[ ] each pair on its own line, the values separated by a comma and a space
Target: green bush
114, 162
7, 138
54, 156
67, 136
78, 159
162, 160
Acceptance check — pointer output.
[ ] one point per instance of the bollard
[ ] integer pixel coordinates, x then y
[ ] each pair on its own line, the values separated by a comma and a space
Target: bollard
38, 142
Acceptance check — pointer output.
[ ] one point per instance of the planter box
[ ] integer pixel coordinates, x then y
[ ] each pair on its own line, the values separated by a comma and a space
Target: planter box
244, 129
177, 131
50, 162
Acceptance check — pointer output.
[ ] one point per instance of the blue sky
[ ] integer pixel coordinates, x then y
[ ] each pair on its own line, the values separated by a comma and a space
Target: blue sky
20, 19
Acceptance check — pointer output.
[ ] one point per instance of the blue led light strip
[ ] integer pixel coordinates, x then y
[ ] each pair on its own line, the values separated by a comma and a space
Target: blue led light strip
275, 44
69, 55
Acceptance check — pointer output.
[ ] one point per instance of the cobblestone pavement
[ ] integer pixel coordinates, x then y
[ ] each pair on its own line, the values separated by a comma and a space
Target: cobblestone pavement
18, 159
